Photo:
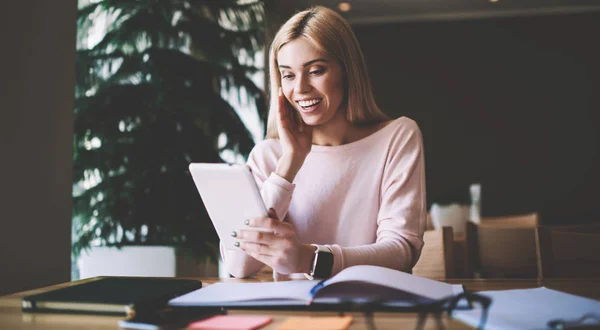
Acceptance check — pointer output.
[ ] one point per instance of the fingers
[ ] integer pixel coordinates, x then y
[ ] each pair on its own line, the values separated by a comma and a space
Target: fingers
271, 223
263, 223
257, 236
283, 121
288, 118
277, 256
265, 237
257, 249
267, 260
281, 100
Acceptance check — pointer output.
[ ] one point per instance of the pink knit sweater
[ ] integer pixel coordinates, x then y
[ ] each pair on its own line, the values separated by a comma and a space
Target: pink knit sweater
364, 200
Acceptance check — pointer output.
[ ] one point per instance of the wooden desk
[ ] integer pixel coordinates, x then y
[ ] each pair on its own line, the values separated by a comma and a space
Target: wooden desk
12, 318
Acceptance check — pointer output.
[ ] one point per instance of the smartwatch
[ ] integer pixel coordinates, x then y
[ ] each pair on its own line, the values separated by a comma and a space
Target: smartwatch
321, 264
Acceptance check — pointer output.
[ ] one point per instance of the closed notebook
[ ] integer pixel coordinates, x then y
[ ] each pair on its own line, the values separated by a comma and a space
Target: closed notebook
110, 295
232, 322
362, 284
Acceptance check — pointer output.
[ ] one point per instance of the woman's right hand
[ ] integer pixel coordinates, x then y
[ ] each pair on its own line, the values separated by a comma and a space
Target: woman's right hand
295, 138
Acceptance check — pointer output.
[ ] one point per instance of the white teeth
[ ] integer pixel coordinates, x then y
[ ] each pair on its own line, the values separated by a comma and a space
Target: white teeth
309, 103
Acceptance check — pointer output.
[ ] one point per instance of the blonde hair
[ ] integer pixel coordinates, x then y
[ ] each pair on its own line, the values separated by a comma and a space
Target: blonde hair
328, 32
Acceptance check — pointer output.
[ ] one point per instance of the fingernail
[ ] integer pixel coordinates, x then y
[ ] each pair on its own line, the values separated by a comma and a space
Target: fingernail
237, 244
246, 222
233, 234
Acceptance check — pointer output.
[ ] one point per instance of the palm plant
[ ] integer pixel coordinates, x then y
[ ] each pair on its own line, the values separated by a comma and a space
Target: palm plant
149, 100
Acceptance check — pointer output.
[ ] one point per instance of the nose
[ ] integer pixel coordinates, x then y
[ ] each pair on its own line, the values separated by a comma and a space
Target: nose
302, 84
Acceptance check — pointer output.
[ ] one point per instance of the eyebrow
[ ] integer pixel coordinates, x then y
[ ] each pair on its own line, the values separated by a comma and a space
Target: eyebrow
305, 64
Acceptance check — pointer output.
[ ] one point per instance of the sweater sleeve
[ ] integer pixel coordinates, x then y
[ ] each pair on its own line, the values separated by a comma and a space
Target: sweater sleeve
402, 212
276, 193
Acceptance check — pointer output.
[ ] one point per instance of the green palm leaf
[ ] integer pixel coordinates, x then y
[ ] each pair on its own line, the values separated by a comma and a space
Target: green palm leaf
149, 102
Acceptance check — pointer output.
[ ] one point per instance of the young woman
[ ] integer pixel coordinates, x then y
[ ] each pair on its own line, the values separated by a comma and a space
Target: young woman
344, 184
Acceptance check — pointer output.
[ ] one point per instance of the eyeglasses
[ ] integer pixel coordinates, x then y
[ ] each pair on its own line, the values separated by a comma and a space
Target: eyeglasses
580, 323
463, 301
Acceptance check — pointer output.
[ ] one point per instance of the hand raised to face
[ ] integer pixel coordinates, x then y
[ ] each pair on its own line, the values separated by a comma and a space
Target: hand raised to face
294, 135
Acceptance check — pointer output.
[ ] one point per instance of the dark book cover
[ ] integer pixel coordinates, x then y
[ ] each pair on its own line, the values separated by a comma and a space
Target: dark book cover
111, 295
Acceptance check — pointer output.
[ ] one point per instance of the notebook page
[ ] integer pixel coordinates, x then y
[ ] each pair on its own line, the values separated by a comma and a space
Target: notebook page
530, 309
394, 279
267, 293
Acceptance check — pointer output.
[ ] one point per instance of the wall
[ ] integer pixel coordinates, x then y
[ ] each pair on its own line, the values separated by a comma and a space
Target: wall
509, 102
36, 105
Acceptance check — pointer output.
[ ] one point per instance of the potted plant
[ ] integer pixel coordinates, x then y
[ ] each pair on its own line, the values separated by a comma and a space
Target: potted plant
452, 207
149, 101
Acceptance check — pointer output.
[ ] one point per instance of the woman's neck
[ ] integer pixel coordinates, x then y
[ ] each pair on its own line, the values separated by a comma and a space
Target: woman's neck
336, 131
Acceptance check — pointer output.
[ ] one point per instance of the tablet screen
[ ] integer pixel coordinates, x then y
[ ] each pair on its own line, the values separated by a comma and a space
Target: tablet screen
230, 195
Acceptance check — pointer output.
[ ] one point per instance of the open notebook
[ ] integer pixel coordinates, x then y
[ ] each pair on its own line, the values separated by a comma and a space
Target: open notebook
357, 284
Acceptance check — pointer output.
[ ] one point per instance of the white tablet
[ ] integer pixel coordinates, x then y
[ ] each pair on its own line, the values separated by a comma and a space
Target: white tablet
230, 196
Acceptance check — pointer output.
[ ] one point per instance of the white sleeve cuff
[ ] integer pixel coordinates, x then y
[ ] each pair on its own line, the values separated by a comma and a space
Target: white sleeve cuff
281, 182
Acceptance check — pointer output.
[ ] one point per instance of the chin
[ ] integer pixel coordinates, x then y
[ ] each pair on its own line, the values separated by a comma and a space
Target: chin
313, 120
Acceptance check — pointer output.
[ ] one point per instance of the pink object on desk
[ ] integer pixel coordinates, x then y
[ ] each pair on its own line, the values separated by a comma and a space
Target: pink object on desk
231, 322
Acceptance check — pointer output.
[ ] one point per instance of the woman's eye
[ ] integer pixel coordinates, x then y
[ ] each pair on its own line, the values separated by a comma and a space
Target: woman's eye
286, 76
317, 72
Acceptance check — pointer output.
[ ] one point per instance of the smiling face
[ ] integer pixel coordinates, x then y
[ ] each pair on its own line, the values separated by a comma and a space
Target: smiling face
311, 81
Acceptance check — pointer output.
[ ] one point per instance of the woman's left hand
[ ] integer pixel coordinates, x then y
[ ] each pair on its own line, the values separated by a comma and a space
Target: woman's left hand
279, 249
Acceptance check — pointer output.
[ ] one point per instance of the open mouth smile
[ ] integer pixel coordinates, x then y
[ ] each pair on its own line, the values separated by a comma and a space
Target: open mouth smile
309, 105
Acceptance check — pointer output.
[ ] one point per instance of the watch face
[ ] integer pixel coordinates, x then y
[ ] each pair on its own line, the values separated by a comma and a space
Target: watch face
324, 264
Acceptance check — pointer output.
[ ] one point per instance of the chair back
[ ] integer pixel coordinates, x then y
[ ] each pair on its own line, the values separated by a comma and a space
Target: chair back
568, 251
530, 220
437, 257
577, 228
500, 251
428, 222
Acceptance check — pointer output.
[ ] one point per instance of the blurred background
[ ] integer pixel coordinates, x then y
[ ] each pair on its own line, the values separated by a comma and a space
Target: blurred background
104, 103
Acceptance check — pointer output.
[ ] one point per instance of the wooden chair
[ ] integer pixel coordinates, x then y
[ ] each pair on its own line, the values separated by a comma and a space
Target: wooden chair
500, 251
530, 220
437, 257
568, 251
428, 222
578, 228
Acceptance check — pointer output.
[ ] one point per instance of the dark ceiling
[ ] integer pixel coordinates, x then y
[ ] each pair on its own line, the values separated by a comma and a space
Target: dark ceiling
382, 11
